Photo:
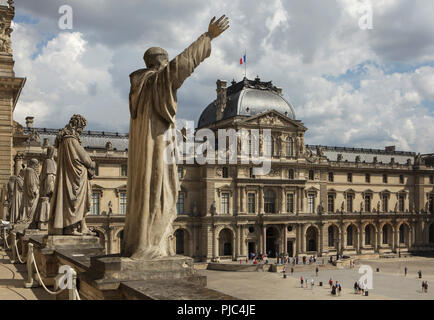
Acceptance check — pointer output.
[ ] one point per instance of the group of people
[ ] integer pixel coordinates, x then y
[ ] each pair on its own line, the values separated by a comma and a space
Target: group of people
336, 288
307, 282
425, 286
359, 287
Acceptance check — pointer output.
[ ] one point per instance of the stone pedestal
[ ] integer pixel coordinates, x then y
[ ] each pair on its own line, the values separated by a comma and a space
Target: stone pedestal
47, 246
106, 274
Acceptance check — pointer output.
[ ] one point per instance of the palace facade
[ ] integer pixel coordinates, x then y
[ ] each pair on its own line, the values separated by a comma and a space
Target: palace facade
316, 200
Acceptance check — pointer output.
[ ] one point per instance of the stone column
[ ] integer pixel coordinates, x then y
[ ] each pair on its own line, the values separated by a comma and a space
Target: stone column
282, 198
264, 238
215, 243
285, 238
242, 242
243, 198
360, 239
191, 244
238, 242
395, 239
301, 200
297, 209
303, 239
261, 200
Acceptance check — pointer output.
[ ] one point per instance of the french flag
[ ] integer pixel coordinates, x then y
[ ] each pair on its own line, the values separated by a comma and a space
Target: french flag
243, 59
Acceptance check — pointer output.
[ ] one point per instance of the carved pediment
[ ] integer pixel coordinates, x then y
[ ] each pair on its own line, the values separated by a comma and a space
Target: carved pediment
273, 118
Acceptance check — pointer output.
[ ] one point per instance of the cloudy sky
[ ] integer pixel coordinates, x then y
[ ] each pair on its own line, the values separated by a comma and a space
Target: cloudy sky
350, 86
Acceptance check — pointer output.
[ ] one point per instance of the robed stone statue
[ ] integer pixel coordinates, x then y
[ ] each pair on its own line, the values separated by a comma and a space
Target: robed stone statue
30, 189
71, 199
153, 185
47, 180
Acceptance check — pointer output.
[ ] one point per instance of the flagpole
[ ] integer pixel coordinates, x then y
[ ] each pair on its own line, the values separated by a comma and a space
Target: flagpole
245, 63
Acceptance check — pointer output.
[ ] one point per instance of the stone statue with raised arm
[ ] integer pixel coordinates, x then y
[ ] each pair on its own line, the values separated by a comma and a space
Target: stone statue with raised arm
153, 187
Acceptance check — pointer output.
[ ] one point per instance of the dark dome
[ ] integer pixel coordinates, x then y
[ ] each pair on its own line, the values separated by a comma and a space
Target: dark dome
248, 98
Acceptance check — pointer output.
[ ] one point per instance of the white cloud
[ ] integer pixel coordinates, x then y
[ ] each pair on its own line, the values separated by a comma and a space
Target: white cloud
300, 45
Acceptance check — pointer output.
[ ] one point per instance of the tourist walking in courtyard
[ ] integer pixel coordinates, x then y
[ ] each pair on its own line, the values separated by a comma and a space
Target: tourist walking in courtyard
339, 290
405, 271
312, 283
316, 271
330, 283
301, 281
356, 288
420, 274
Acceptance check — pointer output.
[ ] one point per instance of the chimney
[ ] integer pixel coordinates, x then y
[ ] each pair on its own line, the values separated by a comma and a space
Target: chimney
29, 122
221, 98
390, 149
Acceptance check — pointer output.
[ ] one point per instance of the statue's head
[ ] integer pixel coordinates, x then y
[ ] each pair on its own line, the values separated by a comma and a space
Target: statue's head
78, 122
156, 58
50, 152
33, 163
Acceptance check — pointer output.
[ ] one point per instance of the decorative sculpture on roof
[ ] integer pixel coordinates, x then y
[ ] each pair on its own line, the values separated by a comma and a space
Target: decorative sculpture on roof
5, 36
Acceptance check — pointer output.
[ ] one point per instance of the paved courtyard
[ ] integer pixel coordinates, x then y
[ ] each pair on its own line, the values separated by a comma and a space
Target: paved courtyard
389, 283
12, 282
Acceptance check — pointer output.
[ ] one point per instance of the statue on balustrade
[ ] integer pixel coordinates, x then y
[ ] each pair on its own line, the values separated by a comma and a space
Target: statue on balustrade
153, 188
72, 192
15, 197
47, 181
31, 190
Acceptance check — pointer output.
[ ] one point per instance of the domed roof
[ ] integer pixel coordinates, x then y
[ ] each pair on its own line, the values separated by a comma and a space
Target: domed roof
248, 98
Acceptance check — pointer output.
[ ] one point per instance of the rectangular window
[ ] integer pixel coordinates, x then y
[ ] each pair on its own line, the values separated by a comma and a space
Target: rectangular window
311, 203
431, 179
290, 202
331, 203
401, 201
180, 203
350, 198
367, 178
331, 177
385, 203
96, 169
225, 203
123, 203
367, 203
350, 177
225, 172
384, 178
311, 175
251, 202
401, 179
124, 171
180, 172
95, 203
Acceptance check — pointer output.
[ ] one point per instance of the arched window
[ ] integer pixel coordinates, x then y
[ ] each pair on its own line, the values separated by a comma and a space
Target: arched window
402, 234
269, 201
385, 234
368, 235
179, 235
331, 236
350, 235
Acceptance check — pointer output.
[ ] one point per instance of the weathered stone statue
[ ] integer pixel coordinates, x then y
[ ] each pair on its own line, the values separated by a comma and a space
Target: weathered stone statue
153, 188
71, 199
47, 180
30, 190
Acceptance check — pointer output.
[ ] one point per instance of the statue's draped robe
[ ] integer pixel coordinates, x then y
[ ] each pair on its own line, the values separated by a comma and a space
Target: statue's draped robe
30, 193
15, 191
153, 184
47, 181
72, 193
